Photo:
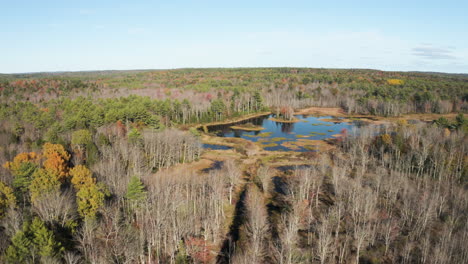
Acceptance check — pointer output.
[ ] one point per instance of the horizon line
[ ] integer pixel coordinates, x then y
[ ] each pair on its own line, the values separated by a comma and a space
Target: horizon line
213, 68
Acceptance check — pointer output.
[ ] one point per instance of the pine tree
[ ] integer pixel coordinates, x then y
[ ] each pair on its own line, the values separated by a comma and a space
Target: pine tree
135, 137
19, 250
44, 239
135, 190
23, 176
35, 239
258, 101
81, 137
22, 167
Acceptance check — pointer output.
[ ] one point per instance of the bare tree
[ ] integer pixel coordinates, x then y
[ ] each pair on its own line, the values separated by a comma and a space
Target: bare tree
233, 176
257, 225
56, 206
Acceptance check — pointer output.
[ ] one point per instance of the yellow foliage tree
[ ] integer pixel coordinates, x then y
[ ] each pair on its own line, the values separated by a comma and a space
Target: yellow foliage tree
402, 122
386, 139
7, 198
48, 149
43, 182
395, 81
89, 199
81, 177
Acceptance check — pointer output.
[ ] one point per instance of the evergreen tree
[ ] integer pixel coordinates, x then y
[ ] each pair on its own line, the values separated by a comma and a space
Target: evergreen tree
217, 108
23, 176
258, 101
34, 240
81, 137
44, 239
135, 137
22, 168
135, 190
19, 250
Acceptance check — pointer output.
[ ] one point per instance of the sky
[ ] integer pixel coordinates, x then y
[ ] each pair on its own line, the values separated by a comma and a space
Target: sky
40, 36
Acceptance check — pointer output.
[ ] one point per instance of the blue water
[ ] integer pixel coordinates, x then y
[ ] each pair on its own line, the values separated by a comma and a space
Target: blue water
289, 131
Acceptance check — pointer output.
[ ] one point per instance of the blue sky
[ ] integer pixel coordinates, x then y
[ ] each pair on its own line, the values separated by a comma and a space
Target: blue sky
103, 35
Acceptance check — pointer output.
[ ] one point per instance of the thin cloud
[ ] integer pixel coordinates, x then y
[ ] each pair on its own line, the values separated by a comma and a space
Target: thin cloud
434, 53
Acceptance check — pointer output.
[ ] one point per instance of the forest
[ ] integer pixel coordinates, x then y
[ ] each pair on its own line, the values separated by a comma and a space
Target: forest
116, 167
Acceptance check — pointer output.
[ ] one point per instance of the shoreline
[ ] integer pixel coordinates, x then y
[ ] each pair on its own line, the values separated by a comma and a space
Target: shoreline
236, 120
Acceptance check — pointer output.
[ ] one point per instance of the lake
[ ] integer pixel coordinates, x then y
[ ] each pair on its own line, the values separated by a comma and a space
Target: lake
280, 136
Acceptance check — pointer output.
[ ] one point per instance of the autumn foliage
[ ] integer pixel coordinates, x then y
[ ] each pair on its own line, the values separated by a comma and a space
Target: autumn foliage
15, 165
56, 162
81, 177
395, 81
90, 196
7, 198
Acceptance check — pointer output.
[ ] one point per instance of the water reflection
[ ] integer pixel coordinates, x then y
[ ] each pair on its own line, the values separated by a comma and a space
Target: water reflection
287, 127
280, 135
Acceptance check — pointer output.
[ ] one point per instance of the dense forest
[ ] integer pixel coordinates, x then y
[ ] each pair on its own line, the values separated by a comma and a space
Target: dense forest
110, 167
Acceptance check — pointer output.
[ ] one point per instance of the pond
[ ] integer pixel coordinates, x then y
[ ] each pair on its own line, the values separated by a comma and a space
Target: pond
280, 136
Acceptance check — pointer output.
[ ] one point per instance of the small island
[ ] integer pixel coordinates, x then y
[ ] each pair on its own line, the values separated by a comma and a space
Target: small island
281, 120
247, 127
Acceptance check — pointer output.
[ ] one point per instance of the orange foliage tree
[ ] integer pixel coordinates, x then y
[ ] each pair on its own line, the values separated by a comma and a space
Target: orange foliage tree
56, 162
15, 165
22, 168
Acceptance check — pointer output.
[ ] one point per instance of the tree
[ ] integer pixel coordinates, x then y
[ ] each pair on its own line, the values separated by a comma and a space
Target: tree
82, 142
35, 239
81, 137
7, 199
461, 122
56, 166
56, 162
218, 108
48, 149
44, 182
258, 101
19, 250
257, 224
90, 199
134, 136
81, 177
233, 175
44, 239
22, 167
15, 165
135, 190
